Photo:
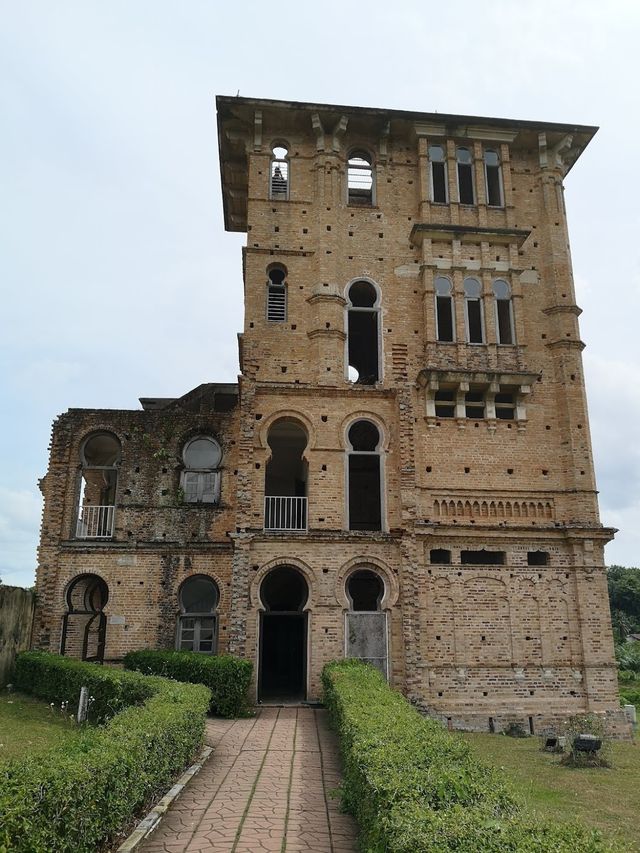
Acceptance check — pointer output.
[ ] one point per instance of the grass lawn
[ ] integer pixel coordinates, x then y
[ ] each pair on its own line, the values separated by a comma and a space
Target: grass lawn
28, 725
607, 799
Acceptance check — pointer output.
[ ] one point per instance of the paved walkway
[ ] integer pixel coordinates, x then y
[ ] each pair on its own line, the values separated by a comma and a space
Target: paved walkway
268, 785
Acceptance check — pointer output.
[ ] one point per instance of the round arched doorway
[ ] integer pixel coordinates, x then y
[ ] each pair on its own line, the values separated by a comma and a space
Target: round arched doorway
282, 672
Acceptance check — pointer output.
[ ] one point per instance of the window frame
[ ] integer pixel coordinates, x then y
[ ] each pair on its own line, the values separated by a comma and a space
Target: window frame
198, 618
512, 325
356, 154
438, 296
498, 169
470, 166
378, 451
375, 309
274, 164
468, 299
443, 163
201, 473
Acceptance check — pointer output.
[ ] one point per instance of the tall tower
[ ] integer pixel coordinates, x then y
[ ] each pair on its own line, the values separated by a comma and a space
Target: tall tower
415, 484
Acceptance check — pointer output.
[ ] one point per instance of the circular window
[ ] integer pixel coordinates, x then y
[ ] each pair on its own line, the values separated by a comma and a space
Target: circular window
198, 594
202, 452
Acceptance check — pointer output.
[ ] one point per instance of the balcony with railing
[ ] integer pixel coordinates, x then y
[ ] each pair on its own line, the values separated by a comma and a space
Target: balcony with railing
95, 522
285, 513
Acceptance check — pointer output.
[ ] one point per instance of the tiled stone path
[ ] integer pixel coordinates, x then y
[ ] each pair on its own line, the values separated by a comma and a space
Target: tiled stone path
268, 786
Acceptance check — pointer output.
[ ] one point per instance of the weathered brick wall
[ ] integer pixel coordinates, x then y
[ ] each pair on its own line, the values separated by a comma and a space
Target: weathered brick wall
466, 642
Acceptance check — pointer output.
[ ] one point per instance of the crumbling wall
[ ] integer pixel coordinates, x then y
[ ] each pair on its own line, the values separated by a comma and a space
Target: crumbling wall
16, 617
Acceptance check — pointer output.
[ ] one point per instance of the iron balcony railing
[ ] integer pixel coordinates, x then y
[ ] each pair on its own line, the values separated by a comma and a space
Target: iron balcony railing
95, 522
283, 513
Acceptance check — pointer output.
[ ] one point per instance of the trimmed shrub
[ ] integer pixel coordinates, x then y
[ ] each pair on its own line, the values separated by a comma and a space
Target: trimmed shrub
414, 788
227, 677
76, 797
630, 696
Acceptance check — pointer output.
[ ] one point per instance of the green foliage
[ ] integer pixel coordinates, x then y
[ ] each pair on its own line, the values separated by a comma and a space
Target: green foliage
630, 696
589, 724
112, 690
415, 789
227, 677
628, 657
624, 598
75, 797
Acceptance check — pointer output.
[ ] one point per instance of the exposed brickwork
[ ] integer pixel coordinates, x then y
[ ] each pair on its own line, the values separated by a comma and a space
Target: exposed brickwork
466, 642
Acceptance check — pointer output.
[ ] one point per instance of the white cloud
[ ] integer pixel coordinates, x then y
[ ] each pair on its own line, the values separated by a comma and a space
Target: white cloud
20, 511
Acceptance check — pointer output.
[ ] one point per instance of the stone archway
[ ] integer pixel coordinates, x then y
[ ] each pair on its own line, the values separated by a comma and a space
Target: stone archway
282, 670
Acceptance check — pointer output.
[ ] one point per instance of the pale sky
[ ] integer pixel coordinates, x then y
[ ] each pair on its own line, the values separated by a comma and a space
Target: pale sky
118, 279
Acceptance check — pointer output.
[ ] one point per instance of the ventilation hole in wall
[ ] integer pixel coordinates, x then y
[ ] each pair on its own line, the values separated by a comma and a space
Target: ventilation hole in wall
437, 636
324, 468
164, 492
328, 228
509, 470
129, 533
428, 571
573, 377
235, 473
276, 229
544, 337
439, 692
350, 233
294, 326
142, 582
482, 638
119, 582
459, 574
257, 466
328, 252
283, 369
547, 426
476, 425
258, 417
497, 258
388, 180
582, 472
467, 470
545, 472
381, 259
277, 246
566, 574
137, 469
352, 215
535, 245
127, 491
380, 234
429, 469
350, 257
485, 692
327, 325
328, 370
579, 426
305, 230
325, 571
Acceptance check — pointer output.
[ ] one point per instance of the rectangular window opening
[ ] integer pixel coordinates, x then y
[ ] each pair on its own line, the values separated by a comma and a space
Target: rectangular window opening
440, 556
445, 404
505, 326
474, 321
365, 510
465, 183
494, 189
444, 318
482, 558
279, 179
439, 183
474, 404
505, 407
276, 303
537, 558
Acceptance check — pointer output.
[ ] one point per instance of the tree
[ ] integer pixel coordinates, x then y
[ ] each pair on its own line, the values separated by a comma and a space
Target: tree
624, 598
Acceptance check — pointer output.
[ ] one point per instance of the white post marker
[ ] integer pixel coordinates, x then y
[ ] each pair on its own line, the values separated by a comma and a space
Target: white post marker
83, 704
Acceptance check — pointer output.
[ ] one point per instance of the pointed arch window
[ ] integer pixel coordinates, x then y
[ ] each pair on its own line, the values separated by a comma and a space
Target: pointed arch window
438, 169
364, 477
279, 173
363, 333
198, 618
360, 178
493, 178
464, 163
277, 294
445, 324
504, 312
473, 311
200, 480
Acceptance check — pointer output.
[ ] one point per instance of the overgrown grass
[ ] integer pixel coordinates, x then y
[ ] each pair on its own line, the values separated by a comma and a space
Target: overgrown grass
605, 799
28, 726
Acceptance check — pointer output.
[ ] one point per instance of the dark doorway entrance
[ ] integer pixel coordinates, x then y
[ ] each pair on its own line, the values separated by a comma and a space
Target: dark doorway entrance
283, 637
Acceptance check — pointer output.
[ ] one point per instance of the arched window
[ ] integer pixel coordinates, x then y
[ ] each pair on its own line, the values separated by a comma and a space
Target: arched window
464, 162
438, 168
285, 483
200, 480
284, 590
197, 621
363, 333
100, 457
279, 173
504, 312
365, 591
84, 623
493, 178
445, 324
360, 178
277, 294
364, 473
473, 310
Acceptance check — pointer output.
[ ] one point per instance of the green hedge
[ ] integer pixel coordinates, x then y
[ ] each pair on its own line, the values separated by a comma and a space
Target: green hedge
228, 678
630, 696
414, 788
77, 796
